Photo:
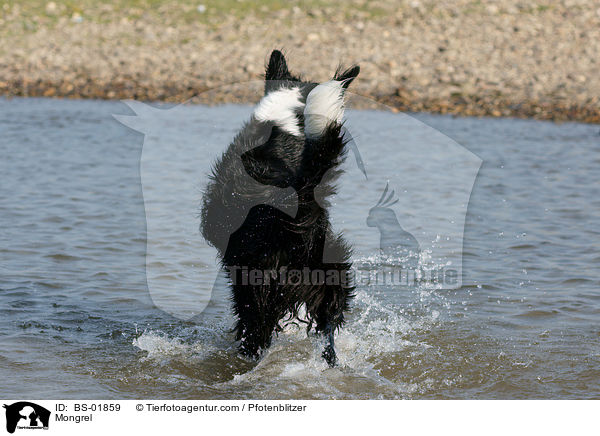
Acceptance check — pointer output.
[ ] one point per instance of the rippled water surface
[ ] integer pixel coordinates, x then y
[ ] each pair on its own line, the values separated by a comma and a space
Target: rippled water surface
78, 319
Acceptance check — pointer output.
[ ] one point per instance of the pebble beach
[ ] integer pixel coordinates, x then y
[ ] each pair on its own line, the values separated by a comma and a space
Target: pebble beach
475, 58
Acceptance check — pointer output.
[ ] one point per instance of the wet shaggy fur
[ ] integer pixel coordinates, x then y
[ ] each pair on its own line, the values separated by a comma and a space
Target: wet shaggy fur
264, 208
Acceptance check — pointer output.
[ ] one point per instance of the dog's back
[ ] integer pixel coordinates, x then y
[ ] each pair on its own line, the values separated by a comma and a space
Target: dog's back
261, 211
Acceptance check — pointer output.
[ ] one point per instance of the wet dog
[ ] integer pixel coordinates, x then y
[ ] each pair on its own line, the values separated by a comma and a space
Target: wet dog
265, 210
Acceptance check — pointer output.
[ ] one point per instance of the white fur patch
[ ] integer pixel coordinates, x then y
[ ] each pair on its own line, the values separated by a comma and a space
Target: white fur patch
324, 105
280, 107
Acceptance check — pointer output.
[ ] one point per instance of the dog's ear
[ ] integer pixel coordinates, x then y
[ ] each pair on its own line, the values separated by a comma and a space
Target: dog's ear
277, 68
347, 76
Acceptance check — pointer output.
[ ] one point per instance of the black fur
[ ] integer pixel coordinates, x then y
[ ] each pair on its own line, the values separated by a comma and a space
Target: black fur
261, 212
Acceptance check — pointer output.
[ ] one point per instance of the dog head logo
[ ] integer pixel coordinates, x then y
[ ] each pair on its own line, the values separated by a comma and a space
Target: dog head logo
420, 217
26, 415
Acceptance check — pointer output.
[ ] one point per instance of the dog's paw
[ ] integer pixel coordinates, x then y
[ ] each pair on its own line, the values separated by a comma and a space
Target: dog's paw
280, 108
324, 106
325, 103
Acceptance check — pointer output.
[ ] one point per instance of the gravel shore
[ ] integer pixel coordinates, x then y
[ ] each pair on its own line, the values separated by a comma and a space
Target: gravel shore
498, 58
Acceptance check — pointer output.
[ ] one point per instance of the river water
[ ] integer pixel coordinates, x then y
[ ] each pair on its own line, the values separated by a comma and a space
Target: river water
102, 296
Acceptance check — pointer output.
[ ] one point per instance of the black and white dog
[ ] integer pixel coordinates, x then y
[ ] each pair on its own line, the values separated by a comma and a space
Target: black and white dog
264, 210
